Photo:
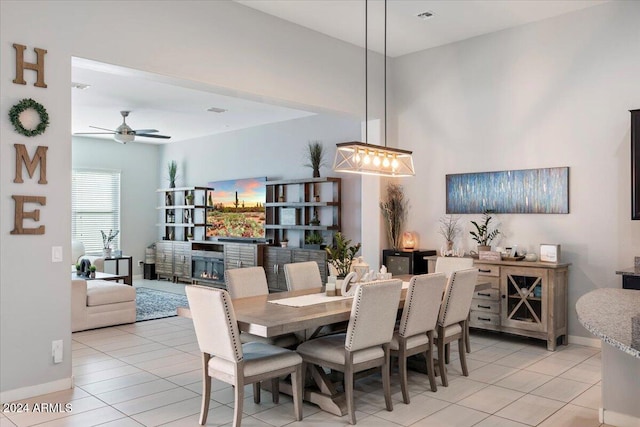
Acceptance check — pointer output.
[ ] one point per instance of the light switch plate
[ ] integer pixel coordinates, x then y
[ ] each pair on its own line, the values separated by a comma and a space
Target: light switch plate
56, 254
56, 351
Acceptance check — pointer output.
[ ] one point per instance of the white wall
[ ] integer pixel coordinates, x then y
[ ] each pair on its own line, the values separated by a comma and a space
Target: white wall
217, 43
138, 166
553, 93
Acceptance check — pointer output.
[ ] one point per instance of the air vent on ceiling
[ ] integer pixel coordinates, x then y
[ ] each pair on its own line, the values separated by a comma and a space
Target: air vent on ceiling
80, 86
425, 15
216, 110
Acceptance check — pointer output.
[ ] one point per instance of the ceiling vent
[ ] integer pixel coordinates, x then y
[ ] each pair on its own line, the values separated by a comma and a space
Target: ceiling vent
425, 15
80, 86
216, 110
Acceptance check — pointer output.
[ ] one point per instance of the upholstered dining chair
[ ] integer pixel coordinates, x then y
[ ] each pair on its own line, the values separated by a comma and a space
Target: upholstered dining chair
417, 325
448, 265
302, 275
453, 315
251, 282
365, 345
232, 362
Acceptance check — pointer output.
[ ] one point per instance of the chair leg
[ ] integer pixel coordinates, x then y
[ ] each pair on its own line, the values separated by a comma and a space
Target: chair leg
386, 379
447, 353
443, 369
466, 337
275, 390
348, 390
463, 356
297, 379
239, 397
206, 389
256, 392
430, 367
402, 367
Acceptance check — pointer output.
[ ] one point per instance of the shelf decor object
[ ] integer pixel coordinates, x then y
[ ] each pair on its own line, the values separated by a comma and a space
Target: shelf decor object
543, 191
369, 159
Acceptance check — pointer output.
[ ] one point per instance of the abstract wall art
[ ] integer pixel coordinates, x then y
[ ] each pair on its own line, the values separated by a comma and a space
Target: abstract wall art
544, 191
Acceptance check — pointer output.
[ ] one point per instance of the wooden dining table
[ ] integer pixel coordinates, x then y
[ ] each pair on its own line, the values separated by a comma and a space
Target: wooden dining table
258, 316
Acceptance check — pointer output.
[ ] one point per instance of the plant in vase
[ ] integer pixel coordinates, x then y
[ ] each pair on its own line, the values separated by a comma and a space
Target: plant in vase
92, 271
314, 240
315, 157
394, 210
449, 229
482, 235
284, 242
78, 269
172, 168
341, 255
107, 239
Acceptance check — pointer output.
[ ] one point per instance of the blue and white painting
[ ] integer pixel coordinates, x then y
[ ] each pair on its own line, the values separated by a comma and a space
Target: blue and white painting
518, 191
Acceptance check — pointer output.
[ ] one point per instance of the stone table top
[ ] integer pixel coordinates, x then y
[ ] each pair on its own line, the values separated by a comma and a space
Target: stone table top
607, 314
629, 271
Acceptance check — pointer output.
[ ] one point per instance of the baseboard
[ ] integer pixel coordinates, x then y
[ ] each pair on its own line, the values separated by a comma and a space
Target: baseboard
589, 342
617, 419
36, 390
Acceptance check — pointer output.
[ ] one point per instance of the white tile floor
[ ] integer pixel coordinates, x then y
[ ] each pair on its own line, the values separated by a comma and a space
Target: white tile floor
149, 374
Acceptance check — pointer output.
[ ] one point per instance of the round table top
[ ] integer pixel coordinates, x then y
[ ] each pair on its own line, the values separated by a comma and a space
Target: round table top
607, 313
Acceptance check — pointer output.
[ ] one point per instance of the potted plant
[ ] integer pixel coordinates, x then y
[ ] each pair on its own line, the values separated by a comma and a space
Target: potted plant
78, 269
313, 240
92, 271
284, 242
315, 220
482, 235
173, 170
341, 254
449, 229
189, 198
315, 157
106, 242
394, 211
189, 236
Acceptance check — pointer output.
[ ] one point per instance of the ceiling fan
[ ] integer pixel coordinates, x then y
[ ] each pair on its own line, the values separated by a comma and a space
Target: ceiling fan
124, 133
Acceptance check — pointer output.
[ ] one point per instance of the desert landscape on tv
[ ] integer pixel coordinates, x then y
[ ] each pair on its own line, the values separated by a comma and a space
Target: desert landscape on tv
238, 208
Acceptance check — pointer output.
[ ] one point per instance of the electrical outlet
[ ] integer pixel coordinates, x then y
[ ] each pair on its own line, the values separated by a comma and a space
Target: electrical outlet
56, 351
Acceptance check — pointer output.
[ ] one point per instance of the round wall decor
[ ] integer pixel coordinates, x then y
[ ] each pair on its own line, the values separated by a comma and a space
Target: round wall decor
23, 105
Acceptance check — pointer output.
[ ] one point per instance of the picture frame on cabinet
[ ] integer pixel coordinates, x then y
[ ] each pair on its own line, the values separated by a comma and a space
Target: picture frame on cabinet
550, 253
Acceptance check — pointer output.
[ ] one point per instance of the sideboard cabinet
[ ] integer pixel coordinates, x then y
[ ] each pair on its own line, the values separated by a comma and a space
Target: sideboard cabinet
526, 298
275, 258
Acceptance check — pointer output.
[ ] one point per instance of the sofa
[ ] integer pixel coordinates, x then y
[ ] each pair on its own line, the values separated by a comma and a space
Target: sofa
100, 303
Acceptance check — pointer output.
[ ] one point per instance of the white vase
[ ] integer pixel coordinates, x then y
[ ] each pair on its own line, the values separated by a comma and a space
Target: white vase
106, 253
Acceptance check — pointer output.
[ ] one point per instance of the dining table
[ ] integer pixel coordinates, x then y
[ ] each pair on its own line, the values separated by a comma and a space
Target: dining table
264, 316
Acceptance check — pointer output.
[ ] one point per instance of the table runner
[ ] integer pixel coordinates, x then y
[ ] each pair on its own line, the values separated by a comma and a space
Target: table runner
305, 300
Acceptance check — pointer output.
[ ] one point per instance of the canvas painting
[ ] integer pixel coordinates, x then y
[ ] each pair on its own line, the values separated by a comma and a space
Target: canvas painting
544, 191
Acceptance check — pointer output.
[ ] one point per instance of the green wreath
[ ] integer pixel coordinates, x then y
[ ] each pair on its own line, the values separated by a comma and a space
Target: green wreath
23, 105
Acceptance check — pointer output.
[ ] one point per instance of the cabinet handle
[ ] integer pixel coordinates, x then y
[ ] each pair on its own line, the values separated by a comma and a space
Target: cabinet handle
486, 319
482, 294
484, 271
484, 306
504, 296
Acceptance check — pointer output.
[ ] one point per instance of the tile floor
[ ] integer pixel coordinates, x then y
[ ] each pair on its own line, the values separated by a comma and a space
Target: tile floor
148, 374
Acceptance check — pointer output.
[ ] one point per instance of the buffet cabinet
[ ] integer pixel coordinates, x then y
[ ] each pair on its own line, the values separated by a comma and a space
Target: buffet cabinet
525, 298
173, 260
275, 258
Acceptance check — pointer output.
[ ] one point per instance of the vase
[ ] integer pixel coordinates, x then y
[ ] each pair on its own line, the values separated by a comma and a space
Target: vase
92, 274
449, 245
482, 248
316, 173
106, 253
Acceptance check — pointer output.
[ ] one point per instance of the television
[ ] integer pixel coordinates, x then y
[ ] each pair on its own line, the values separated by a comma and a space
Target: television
237, 208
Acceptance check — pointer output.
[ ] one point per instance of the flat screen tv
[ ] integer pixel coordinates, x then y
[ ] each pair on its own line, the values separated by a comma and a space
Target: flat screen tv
237, 208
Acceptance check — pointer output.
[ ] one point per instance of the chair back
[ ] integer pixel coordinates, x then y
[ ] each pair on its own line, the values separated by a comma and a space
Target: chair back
373, 314
422, 304
457, 297
215, 322
302, 275
448, 265
246, 282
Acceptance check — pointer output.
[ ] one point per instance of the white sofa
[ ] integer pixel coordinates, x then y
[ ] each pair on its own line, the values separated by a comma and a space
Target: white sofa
99, 303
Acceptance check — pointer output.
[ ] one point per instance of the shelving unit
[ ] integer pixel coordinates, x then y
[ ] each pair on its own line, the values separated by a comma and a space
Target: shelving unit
299, 207
184, 213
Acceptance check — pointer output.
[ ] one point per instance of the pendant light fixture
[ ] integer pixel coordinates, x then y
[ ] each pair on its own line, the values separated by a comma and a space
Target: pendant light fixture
369, 159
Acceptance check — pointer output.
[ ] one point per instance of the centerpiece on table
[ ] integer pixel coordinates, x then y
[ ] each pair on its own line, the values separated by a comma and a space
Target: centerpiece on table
341, 257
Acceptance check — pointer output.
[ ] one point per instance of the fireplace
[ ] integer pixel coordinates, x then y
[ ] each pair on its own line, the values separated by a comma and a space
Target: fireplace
207, 266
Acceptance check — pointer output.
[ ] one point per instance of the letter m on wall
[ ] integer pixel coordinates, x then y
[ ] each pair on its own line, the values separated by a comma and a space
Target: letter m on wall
22, 157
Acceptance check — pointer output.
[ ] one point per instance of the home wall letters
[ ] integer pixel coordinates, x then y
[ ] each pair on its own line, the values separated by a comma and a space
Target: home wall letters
38, 67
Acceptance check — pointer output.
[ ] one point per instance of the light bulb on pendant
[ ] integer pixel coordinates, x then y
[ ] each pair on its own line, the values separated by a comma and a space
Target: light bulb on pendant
385, 162
357, 157
376, 160
366, 159
394, 163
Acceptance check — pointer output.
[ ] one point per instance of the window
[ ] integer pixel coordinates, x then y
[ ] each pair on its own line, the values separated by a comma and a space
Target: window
95, 206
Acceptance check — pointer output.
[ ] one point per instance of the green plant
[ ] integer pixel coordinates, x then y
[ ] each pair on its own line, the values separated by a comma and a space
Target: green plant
92, 269
78, 266
315, 157
341, 254
173, 170
314, 238
108, 238
394, 211
482, 235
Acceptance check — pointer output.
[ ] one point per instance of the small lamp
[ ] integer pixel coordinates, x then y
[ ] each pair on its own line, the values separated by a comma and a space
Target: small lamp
409, 240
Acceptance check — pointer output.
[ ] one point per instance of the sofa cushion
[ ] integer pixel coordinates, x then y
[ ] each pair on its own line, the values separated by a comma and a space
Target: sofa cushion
100, 292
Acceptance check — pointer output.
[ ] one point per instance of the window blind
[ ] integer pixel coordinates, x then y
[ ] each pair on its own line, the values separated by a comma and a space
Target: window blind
95, 206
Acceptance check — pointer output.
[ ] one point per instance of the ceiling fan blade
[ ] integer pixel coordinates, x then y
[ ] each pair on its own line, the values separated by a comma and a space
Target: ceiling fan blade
141, 131
93, 133
152, 136
96, 127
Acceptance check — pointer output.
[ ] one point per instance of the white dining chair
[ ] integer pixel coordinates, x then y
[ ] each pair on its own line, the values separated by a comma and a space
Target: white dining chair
302, 275
365, 345
448, 265
453, 315
226, 359
417, 324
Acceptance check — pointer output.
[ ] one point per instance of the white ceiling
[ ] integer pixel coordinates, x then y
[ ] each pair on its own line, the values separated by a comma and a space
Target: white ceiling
178, 108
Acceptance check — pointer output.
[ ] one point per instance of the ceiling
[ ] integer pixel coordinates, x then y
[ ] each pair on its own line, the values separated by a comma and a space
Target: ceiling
178, 108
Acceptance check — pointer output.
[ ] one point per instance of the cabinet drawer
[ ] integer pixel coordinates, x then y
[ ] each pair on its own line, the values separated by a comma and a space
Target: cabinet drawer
492, 294
480, 319
485, 305
488, 270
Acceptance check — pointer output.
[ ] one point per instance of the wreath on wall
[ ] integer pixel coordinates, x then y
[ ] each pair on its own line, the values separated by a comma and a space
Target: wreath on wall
23, 105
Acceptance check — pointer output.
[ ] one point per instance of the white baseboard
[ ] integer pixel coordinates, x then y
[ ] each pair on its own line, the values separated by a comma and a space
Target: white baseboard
36, 390
617, 419
589, 342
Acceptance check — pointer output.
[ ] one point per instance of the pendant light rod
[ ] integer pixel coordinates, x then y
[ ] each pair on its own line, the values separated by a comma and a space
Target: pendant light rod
385, 73
366, 72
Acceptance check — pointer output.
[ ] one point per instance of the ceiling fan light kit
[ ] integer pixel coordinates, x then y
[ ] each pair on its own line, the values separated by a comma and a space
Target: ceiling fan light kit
124, 133
369, 159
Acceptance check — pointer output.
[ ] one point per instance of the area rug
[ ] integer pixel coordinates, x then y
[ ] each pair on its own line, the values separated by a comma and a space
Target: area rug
153, 304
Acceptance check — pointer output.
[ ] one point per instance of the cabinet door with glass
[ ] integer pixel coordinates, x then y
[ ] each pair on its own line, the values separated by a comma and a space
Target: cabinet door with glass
524, 294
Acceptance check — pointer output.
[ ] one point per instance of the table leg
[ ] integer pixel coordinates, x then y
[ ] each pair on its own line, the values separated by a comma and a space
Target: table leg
325, 396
